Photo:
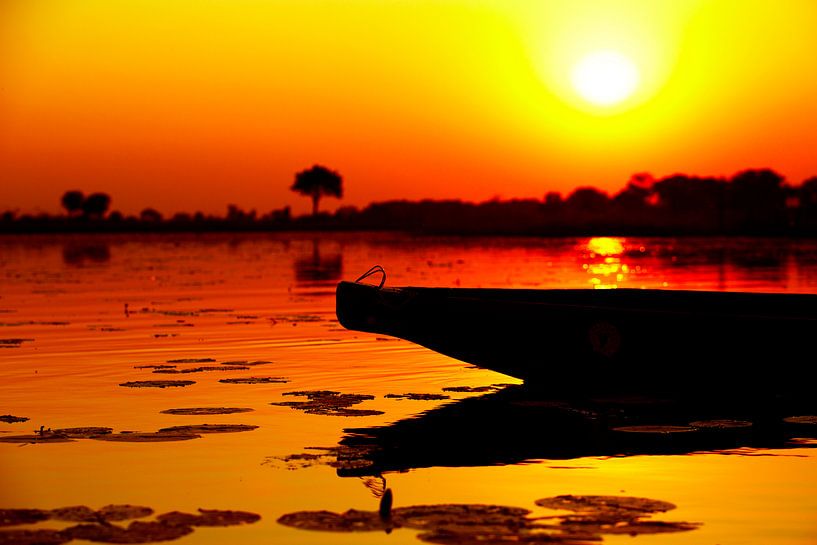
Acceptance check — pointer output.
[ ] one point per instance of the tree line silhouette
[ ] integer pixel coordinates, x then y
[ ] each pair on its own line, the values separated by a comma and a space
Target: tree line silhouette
751, 202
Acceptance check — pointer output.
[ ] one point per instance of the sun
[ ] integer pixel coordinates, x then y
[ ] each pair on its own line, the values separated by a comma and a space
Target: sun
605, 78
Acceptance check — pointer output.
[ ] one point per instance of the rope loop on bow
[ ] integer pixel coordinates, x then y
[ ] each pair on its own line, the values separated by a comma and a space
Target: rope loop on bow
377, 269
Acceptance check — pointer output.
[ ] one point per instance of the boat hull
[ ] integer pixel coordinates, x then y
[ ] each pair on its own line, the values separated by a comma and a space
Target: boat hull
653, 339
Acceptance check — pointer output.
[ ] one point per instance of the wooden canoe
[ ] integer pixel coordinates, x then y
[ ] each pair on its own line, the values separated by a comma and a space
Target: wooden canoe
654, 339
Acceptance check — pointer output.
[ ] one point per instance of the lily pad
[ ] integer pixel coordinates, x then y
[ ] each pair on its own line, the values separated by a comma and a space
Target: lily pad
202, 369
656, 430
326, 521
418, 397
329, 403
36, 438
806, 420
157, 383
11, 419
192, 360
136, 532
33, 537
721, 425
606, 503
82, 433
13, 343
209, 428
146, 437
207, 411
209, 517
255, 380
13, 517
124, 512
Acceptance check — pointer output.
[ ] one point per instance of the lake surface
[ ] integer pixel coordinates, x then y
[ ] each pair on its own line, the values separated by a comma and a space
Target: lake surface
82, 315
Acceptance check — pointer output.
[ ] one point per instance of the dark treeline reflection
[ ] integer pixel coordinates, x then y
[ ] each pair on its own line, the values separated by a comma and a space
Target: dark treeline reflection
80, 254
318, 267
518, 424
751, 202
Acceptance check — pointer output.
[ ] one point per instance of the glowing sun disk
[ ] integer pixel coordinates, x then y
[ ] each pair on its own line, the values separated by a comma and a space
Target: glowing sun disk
605, 78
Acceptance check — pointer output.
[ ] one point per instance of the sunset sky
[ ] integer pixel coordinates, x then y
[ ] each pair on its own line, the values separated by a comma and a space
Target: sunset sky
193, 104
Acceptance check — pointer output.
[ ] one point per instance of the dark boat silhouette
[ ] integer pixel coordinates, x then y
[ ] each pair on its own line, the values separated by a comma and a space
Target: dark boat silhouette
630, 339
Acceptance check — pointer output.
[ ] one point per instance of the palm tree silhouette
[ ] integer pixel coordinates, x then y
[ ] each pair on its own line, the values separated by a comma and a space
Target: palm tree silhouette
316, 182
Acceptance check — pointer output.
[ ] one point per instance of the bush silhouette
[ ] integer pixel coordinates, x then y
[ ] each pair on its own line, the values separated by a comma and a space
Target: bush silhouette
96, 204
72, 202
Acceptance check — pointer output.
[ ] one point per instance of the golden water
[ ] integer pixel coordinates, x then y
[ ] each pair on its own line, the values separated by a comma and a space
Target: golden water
95, 307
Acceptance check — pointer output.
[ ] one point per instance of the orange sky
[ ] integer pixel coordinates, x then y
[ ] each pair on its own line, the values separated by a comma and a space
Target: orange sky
193, 104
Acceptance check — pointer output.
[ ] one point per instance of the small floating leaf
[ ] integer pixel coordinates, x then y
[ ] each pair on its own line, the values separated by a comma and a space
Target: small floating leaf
157, 383
206, 411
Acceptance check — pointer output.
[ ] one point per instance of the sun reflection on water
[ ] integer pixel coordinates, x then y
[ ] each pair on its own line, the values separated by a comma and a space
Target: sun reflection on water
603, 262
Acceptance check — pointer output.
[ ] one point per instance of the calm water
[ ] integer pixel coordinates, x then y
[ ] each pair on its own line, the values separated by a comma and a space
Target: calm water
79, 314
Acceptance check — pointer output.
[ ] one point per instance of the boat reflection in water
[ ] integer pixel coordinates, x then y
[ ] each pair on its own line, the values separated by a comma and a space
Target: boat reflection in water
518, 424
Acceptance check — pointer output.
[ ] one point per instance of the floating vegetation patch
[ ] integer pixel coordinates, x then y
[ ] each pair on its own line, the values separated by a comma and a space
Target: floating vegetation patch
146, 437
329, 403
32, 322
154, 366
245, 362
177, 324
255, 380
192, 360
473, 524
82, 433
418, 397
33, 537
14, 517
805, 420
295, 318
209, 428
157, 383
340, 457
240, 322
109, 513
617, 504
476, 389
207, 411
215, 310
163, 335
209, 517
721, 425
11, 419
655, 430
203, 369
136, 532
44, 437
13, 343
